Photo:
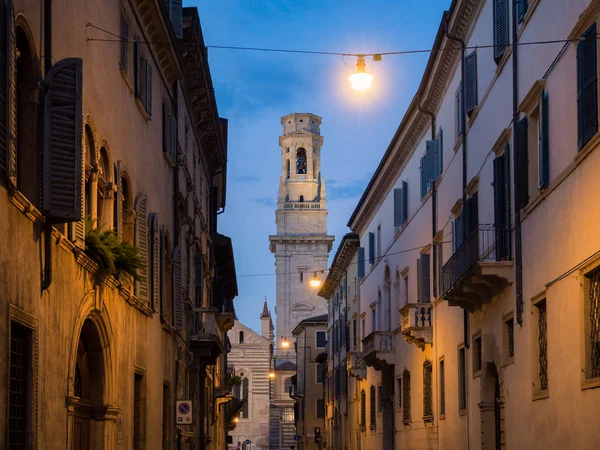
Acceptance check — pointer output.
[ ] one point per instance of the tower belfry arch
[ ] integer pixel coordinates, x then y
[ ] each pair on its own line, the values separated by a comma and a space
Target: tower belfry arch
301, 245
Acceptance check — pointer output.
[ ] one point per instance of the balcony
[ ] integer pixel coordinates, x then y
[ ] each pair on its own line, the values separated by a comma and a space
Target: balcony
355, 365
205, 339
378, 349
479, 269
226, 382
417, 323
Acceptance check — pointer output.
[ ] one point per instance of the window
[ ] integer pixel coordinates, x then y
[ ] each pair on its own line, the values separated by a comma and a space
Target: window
320, 408
287, 415
522, 162
288, 166
301, 161
430, 165
427, 391
462, 379
19, 387
373, 414
399, 391
442, 388
543, 136
406, 289
361, 263
320, 373
378, 241
363, 409
245, 396
241, 337
592, 323
502, 205
301, 200
371, 248
174, 11
509, 339
477, 355
540, 349
166, 269
472, 212
373, 320
379, 400
459, 112
587, 87
166, 420
170, 131
139, 401
500, 29
424, 284
521, 9
406, 397
471, 82
401, 205
321, 339
142, 69
123, 49
457, 225
363, 329
301, 277
354, 335
141, 242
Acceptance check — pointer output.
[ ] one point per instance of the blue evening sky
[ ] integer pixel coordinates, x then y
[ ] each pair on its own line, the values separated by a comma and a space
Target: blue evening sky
255, 89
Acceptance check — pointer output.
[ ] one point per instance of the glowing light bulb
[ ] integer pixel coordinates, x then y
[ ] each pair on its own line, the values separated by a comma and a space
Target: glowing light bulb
315, 281
361, 79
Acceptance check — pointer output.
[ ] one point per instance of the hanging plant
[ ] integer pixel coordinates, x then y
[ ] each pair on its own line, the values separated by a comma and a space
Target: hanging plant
236, 380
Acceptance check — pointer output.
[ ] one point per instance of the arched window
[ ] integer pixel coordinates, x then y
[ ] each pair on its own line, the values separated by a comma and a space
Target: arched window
301, 161
91, 173
302, 199
245, 397
126, 206
287, 150
287, 415
288, 168
28, 105
241, 337
104, 192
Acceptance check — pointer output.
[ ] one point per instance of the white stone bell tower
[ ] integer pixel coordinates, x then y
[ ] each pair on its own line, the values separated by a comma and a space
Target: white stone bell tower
301, 246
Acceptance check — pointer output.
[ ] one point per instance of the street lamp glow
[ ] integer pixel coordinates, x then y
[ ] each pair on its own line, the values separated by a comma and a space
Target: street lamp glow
361, 79
271, 375
285, 343
315, 281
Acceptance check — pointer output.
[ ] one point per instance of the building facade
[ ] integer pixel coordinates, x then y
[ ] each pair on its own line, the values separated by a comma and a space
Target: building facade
301, 245
116, 288
478, 275
250, 359
308, 385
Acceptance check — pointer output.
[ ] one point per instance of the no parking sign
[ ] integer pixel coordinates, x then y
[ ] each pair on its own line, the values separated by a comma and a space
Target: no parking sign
184, 412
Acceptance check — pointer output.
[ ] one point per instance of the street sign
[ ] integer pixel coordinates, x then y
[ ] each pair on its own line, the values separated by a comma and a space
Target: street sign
184, 412
296, 437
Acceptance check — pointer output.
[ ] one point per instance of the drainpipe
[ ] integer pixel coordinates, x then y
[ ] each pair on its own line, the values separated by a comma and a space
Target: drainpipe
47, 280
464, 187
176, 230
518, 242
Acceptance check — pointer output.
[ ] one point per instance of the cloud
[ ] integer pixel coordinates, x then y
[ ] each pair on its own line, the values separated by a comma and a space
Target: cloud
266, 201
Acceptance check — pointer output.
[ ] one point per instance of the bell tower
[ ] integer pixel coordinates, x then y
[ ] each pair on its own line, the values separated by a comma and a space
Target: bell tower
301, 245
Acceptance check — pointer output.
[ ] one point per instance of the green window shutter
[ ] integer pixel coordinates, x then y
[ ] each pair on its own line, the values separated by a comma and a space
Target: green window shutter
424, 270
522, 162
176, 18
471, 82
155, 260
544, 142
198, 281
137, 63
404, 201
177, 289
361, 262
439, 152
123, 44
166, 124
141, 242
173, 139
398, 197
423, 176
431, 163
148, 104
500, 29
521, 9
143, 79
371, 248
587, 81
459, 114
63, 155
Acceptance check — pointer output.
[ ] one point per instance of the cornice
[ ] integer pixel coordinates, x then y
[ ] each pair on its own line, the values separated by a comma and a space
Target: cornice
341, 261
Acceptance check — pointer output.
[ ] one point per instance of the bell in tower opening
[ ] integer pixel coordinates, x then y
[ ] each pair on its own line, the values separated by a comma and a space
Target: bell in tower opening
301, 161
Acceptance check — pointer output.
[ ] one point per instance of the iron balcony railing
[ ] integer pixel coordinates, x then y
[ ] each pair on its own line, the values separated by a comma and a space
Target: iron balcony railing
486, 243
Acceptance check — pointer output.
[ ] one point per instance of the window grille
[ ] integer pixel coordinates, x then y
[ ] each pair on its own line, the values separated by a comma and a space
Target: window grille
427, 391
543, 345
372, 417
399, 386
442, 388
462, 375
406, 397
477, 354
379, 399
78, 390
510, 328
363, 409
18, 387
594, 308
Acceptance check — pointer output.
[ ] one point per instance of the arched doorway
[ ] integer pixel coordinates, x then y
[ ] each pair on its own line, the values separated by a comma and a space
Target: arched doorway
491, 406
88, 390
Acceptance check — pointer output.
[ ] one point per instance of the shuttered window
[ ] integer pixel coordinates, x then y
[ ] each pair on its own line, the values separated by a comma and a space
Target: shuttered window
587, 87
117, 207
423, 175
136, 66
471, 82
166, 284
401, 205
472, 213
142, 75
502, 205
406, 397
19, 388
371, 248
123, 45
424, 273
372, 411
522, 162
544, 142
174, 11
442, 388
155, 260
363, 409
457, 225
141, 242
462, 379
63, 153
198, 281
177, 289
361, 262
500, 29
522, 6
459, 114
427, 391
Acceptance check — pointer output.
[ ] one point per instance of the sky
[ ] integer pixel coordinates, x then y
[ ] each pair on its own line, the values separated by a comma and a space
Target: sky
255, 89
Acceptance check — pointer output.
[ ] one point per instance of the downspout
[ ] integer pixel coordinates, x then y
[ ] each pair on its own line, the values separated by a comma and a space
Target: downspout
176, 231
47, 281
463, 113
518, 242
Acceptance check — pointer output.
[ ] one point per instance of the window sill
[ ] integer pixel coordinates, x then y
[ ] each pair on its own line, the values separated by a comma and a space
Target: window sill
587, 148
428, 419
406, 422
442, 416
169, 160
126, 79
540, 395
527, 18
458, 143
477, 373
503, 60
590, 383
426, 196
509, 361
142, 110
462, 412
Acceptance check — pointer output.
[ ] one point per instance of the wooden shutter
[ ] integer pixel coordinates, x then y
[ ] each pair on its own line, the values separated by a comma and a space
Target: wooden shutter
372, 248
459, 113
136, 66
8, 158
141, 242
176, 18
123, 49
404, 201
544, 142
361, 262
587, 81
148, 104
500, 29
177, 289
522, 162
507, 220
162, 303
166, 123
473, 213
168, 7
521, 9
431, 163
173, 139
119, 201
425, 284
423, 175
471, 82
143, 79
63, 153
398, 198
155, 260
439, 152
198, 281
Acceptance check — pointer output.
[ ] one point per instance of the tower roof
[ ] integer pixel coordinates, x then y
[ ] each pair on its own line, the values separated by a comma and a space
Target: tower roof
265, 312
